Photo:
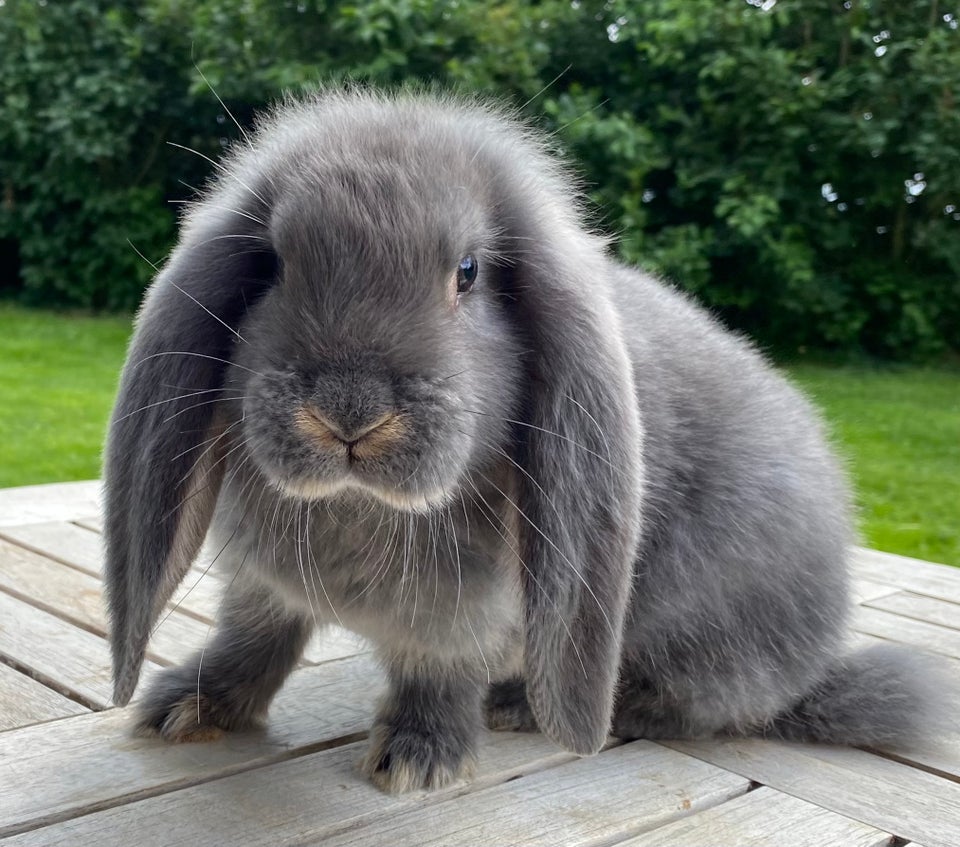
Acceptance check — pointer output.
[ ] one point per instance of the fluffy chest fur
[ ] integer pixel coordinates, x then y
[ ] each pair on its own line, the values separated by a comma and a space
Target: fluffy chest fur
449, 577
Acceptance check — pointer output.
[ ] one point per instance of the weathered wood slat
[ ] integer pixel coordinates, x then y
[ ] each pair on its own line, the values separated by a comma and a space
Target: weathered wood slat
910, 574
55, 652
303, 800
62, 501
759, 819
75, 596
199, 597
623, 791
70, 767
925, 636
69, 543
917, 607
66, 542
865, 590
890, 796
25, 701
939, 756
82, 548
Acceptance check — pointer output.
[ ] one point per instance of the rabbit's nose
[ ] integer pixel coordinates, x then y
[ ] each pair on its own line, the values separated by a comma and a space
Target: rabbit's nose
363, 439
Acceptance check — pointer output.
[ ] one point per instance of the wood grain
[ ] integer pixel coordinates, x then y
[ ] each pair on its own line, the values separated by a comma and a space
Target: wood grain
76, 777
582, 803
62, 501
760, 819
890, 796
920, 608
91, 522
925, 636
27, 571
62, 656
865, 590
80, 548
65, 542
75, 597
71, 767
302, 800
915, 575
25, 701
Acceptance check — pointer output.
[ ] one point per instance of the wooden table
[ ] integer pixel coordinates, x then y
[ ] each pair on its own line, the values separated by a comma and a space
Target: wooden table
71, 774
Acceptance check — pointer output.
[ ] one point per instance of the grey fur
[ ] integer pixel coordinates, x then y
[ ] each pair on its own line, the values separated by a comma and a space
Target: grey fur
592, 494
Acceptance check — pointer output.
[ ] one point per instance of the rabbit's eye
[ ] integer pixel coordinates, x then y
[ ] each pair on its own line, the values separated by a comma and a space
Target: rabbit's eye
466, 274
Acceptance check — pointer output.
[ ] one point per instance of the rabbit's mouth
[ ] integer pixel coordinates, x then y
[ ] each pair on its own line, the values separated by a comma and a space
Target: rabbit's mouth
395, 497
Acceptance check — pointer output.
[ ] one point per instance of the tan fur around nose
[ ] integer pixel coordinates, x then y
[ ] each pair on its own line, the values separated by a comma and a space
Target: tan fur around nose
376, 440
379, 440
313, 425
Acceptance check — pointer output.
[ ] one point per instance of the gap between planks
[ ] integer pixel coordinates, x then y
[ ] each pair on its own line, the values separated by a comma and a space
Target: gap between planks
25, 700
39, 642
907, 574
917, 607
75, 597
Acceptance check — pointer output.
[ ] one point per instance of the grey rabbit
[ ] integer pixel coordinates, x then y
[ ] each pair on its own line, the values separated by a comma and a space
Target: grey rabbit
404, 389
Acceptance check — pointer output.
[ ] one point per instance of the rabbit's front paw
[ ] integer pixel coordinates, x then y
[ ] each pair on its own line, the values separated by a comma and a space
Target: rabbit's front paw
403, 759
177, 710
186, 720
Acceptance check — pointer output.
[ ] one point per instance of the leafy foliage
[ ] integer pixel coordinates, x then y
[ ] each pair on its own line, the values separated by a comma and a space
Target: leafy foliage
793, 162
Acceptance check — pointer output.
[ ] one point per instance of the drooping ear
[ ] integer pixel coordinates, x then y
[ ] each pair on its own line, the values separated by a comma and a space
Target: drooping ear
580, 494
162, 462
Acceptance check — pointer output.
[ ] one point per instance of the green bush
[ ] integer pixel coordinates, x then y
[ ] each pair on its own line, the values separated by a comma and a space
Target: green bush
87, 100
793, 162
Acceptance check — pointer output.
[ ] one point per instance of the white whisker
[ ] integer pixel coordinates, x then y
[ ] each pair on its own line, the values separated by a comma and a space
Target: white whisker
524, 565
224, 105
208, 205
222, 169
479, 648
559, 552
547, 432
212, 315
199, 356
168, 400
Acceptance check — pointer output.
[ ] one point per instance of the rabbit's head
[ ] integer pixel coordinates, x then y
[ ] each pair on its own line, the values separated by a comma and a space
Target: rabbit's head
381, 357
376, 297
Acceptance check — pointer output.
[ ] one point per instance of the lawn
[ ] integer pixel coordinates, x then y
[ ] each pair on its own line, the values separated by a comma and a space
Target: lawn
897, 427
899, 430
58, 375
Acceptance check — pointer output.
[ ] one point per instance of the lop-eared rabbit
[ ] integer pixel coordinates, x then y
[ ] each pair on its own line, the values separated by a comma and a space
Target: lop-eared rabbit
402, 388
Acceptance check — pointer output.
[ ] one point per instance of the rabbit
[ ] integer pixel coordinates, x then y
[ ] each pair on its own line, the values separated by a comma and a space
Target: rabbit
401, 387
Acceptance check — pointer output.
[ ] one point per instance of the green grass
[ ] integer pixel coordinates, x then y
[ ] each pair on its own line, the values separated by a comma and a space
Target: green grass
58, 376
898, 428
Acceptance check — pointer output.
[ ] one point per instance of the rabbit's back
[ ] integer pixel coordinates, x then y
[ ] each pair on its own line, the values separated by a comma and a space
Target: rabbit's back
740, 582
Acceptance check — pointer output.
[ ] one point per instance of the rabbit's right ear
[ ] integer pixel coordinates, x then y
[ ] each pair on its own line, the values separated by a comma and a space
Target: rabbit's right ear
162, 465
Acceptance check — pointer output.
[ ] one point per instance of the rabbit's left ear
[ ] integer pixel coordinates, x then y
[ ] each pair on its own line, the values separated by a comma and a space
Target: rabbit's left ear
581, 490
165, 452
